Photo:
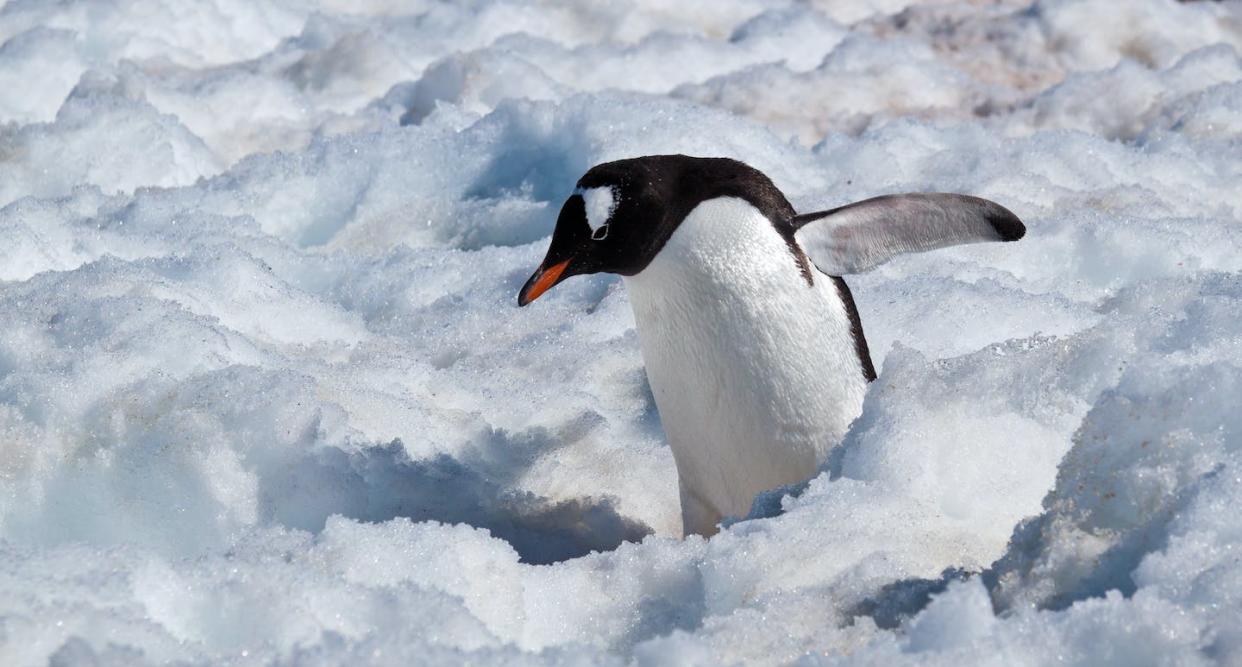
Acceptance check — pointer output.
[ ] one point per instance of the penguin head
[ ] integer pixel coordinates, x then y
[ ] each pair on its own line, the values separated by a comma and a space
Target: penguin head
621, 213
611, 224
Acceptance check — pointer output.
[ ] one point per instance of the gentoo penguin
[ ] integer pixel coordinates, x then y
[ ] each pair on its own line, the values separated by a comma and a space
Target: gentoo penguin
757, 361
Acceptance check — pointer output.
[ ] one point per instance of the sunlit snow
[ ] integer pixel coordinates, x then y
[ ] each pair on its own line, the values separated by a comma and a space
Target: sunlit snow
266, 396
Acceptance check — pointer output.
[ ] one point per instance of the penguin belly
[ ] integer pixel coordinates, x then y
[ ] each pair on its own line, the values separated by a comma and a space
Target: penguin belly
754, 371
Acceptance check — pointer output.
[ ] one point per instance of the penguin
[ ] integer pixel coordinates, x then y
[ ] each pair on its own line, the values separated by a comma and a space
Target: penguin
752, 343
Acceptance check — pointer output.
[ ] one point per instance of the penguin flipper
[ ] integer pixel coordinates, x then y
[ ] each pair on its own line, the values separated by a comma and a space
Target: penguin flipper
859, 237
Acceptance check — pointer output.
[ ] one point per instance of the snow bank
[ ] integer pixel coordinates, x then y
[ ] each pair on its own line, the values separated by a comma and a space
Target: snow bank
265, 395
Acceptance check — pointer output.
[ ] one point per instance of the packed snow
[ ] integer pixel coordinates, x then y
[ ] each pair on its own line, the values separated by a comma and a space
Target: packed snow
266, 396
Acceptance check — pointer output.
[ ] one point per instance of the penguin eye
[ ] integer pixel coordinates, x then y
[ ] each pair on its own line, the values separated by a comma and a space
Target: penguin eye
600, 203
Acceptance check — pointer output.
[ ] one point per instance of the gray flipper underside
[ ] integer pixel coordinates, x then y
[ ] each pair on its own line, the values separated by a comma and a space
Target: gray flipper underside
860, 236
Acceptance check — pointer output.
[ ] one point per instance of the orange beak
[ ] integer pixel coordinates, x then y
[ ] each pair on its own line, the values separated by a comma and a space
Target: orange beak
542, 281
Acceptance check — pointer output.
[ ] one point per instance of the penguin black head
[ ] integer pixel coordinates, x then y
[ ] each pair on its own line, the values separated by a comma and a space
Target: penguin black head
622, 213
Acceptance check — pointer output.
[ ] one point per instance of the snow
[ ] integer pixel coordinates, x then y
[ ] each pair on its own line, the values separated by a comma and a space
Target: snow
266, 396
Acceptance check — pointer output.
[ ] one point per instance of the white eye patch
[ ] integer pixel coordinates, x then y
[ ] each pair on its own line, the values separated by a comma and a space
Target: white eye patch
600, 204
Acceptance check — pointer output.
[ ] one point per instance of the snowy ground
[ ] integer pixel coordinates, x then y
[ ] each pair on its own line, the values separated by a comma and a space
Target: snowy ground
266, 396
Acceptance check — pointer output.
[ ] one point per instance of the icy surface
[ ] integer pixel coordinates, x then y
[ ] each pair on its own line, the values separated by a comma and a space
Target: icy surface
266, 396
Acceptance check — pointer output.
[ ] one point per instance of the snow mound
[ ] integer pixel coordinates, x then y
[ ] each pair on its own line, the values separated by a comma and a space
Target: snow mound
266, 396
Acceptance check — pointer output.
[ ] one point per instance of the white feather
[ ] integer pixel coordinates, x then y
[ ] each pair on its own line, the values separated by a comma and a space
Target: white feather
754, 371
600, 203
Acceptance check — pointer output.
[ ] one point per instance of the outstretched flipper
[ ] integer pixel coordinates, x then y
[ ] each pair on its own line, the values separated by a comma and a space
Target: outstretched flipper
860, 236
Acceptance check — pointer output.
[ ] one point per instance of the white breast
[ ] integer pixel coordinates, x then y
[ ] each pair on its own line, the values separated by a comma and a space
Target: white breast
754, 372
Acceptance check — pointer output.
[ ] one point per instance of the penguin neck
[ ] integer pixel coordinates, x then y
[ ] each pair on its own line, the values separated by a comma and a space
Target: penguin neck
723, 246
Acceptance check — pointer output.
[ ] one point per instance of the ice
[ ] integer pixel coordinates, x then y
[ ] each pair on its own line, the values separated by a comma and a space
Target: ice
266, 396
